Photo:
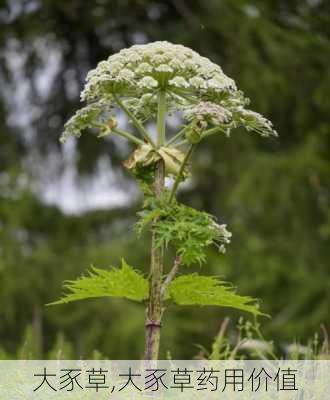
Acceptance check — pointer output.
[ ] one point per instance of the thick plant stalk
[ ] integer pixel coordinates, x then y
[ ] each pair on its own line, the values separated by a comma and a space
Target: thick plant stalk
154, 310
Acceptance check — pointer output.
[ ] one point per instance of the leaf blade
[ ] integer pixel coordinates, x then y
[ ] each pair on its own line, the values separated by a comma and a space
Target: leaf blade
123, 282
194, 289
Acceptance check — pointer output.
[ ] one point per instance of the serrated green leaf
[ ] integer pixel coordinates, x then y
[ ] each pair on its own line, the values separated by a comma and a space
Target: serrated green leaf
116, 282
190, 231
194, 289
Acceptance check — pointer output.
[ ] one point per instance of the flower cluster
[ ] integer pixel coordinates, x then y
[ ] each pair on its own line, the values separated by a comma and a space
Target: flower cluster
193, 84
145, 68
225, 116
95, 115
224, 235
253, 121
209, 114
205, 115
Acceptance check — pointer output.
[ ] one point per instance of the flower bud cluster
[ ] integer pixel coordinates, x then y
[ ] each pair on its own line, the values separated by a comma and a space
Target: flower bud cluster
94, 115
203, 116
224, 236
253, 121
209, 114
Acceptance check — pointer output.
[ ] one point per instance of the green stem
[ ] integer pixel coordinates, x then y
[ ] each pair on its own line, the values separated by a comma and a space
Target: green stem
177, 136
182, 142
127, 135
211, 131
155, 307
179, 175
186, 95
161, 118
135, 121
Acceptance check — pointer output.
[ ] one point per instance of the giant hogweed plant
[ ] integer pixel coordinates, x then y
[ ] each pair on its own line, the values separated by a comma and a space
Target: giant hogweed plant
148, 83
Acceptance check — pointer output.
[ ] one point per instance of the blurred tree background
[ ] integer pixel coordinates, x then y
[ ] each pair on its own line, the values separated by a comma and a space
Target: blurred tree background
274, 194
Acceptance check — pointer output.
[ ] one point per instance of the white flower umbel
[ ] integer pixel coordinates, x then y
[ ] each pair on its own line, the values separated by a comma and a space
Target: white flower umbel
211, 113
254, 121
133, 78
169, 64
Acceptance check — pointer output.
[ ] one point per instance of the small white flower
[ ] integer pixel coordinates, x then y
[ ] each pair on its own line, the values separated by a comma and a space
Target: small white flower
179, 82
103, 65
158, 59
115, 67
134, 57
197, 82
222, 249
146, 97
164, 68
189, 64
101, 78
254, 121
143, 68
125, 74
214, 84
209, 113
175, 64
148, 83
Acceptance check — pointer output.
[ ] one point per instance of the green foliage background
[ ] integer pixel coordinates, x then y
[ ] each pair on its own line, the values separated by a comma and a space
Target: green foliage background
274, 195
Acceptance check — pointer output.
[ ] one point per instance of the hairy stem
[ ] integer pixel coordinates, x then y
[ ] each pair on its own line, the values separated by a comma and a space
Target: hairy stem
155, 309
179, 175
135, 121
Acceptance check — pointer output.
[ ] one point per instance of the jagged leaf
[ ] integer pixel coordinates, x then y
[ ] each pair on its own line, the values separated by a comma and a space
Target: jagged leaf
190, 231
115, 282
194, 289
